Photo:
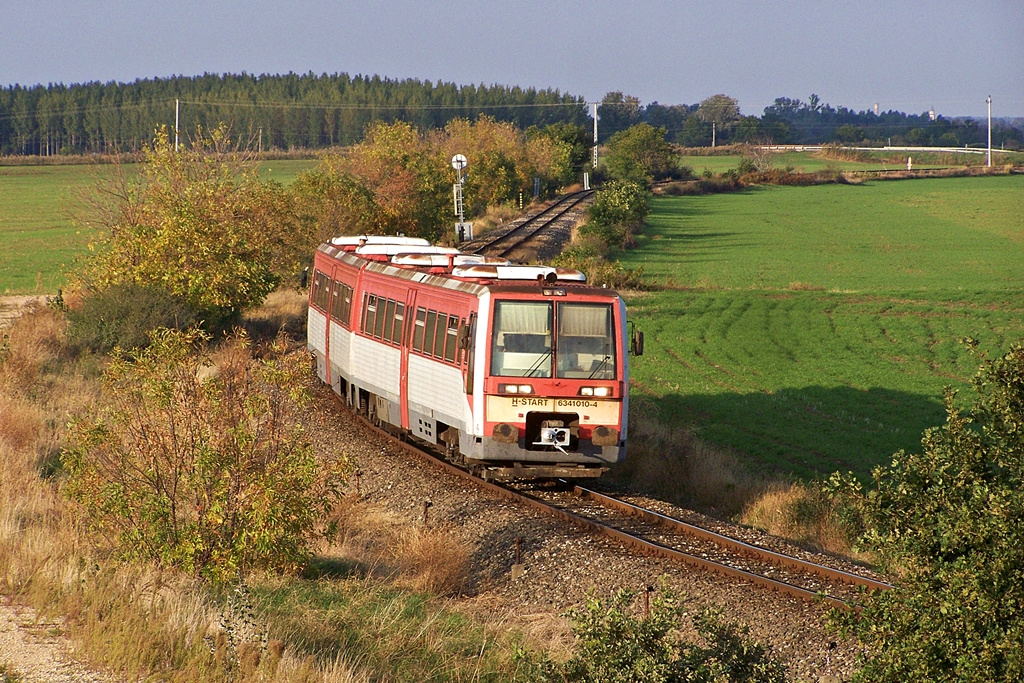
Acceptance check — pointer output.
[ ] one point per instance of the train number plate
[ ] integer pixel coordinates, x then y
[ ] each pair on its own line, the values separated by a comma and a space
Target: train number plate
515, 408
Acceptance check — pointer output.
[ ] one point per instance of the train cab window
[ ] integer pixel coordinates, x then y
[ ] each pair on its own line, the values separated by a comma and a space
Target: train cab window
418, 329
452, 339
586, 341
521, 339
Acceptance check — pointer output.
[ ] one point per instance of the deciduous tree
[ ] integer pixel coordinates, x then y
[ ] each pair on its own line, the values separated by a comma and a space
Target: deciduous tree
200, 462
198, 224
947, 523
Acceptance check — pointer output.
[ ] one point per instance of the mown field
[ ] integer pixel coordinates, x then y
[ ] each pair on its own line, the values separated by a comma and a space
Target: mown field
40, 227
813, 329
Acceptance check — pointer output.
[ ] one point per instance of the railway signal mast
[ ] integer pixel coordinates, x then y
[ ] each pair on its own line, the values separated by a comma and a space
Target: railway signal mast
463, 230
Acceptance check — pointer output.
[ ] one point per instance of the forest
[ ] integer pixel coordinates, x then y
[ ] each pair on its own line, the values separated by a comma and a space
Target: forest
310, 111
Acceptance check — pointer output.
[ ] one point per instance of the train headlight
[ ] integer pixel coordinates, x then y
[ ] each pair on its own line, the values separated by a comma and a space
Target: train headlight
602, 392
515, 388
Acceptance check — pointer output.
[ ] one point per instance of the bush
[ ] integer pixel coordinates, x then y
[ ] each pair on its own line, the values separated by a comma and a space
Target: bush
615, 645
124, 316
589, 257
198, 224
203, 466
946, 523
618, 211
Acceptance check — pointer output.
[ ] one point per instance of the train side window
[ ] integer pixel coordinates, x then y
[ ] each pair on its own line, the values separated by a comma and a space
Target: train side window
345, 308
381, 320
370, 313
321, 290
396, 335
471, 353
389, 320
418, 328
428, 335
452, 340
439, 334
337, 302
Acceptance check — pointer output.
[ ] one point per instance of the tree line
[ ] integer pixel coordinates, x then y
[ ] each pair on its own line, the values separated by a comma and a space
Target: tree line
717, 120
287, 111
310, 111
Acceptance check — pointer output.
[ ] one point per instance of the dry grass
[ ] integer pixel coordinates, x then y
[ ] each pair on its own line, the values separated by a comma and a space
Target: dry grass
136, 620
803, 514
421, 558
496, 217
283, 310
672, 463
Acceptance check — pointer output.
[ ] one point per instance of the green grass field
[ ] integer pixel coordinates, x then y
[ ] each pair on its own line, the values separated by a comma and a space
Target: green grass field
40, 235
813, 329
804, 162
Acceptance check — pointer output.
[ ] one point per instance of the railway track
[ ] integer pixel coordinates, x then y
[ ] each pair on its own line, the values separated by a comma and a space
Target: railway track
654, 534
523, 233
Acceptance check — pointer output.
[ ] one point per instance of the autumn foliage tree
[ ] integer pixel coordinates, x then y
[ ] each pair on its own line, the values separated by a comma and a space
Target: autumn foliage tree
199, 461
399, 181
198, 224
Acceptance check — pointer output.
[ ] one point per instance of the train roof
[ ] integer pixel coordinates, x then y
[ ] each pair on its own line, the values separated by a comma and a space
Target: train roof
450, 269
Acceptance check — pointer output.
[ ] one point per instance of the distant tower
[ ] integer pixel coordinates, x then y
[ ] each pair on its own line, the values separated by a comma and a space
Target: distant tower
931, 114
876, 108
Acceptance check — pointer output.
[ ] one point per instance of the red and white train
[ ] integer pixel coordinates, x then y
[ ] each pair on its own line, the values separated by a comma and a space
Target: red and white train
511, 371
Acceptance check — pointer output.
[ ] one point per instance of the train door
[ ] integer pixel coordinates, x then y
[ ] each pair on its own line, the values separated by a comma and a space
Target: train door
406, 343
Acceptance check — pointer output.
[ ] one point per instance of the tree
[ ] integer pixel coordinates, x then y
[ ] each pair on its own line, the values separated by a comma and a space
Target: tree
849, 133
197, 225
947, 523
719, 111
639, 154
575, 138
618, 211
200, 462
617, 112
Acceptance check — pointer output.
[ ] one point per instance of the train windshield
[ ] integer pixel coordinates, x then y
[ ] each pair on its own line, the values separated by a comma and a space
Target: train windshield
522, 344
586, 341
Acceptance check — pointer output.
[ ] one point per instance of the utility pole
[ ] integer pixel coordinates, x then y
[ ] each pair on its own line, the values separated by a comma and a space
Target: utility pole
594, 105
177, 109
989, 157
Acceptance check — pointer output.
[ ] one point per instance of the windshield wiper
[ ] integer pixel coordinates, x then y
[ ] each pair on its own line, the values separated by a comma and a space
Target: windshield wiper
536, 366
600, 366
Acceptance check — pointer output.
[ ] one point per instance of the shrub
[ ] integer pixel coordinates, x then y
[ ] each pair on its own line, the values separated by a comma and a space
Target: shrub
199, 225
946, 522
618, 211
124, 316
589, 257
615, 645
203, 466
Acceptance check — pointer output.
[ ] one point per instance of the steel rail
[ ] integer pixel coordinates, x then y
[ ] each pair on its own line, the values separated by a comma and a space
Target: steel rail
520, 233
641, 545
736, 545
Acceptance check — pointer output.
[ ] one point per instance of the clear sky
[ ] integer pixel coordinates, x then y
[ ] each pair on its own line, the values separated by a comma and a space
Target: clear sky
907, 55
